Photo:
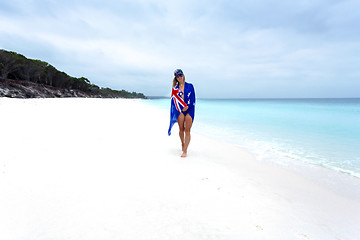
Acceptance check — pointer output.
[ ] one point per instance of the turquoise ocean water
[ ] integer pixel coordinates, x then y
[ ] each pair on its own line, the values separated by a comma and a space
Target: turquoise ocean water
322, 132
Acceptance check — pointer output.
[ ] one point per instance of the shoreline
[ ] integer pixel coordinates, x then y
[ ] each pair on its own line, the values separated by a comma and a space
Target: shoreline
329, 177
99, 169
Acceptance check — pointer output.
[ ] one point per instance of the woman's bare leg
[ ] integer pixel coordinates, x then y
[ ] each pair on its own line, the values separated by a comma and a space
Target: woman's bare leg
181, 122
188, 124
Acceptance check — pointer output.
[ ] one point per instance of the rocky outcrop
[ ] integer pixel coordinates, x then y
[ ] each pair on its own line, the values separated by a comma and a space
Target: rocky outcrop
25, 89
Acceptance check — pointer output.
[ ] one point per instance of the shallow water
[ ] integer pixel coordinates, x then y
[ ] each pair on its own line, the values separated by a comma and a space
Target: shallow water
320, 132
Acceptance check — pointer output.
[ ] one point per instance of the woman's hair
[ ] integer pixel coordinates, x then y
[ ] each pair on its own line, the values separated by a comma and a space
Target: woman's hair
175, 81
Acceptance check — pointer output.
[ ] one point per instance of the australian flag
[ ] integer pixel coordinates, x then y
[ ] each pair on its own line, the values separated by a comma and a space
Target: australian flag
177, 104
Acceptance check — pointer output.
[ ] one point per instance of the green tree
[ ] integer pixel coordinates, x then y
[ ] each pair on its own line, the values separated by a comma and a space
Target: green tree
9, 63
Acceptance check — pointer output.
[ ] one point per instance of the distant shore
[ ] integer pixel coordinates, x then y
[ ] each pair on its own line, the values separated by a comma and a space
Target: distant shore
21, 77
26, 89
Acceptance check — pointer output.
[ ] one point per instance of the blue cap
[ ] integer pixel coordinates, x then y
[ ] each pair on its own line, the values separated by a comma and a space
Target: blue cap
177, 72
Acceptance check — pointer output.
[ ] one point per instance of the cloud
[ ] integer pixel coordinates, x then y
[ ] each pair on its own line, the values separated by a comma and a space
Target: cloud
252, 48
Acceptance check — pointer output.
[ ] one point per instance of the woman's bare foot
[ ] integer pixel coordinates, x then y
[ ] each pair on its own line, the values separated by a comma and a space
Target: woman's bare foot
184, 155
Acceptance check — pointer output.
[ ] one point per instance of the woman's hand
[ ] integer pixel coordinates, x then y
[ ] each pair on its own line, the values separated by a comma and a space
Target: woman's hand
185, 109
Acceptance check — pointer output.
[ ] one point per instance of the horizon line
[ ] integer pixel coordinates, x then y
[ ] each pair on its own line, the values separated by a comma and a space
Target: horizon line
257, 98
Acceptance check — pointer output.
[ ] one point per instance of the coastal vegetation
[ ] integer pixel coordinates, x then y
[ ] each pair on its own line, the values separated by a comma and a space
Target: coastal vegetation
18, 74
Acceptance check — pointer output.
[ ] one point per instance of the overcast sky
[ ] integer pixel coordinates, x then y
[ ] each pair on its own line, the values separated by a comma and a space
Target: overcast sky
237, 49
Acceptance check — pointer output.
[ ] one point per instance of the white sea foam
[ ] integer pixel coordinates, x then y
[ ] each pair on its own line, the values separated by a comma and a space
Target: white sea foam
323, 132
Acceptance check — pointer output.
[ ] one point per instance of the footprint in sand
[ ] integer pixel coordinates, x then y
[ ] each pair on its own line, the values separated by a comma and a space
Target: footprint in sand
303, 236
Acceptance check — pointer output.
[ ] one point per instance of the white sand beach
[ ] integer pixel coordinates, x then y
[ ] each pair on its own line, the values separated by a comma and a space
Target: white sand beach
105, 169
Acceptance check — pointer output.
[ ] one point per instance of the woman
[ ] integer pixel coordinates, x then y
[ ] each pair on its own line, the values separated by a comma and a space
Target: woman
182, 108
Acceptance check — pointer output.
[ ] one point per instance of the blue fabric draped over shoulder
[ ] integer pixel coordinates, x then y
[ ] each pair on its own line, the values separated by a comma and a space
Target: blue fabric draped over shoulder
178, 103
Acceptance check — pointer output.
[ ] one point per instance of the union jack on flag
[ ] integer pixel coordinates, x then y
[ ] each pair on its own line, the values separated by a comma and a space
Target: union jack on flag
177, 104
176, 97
